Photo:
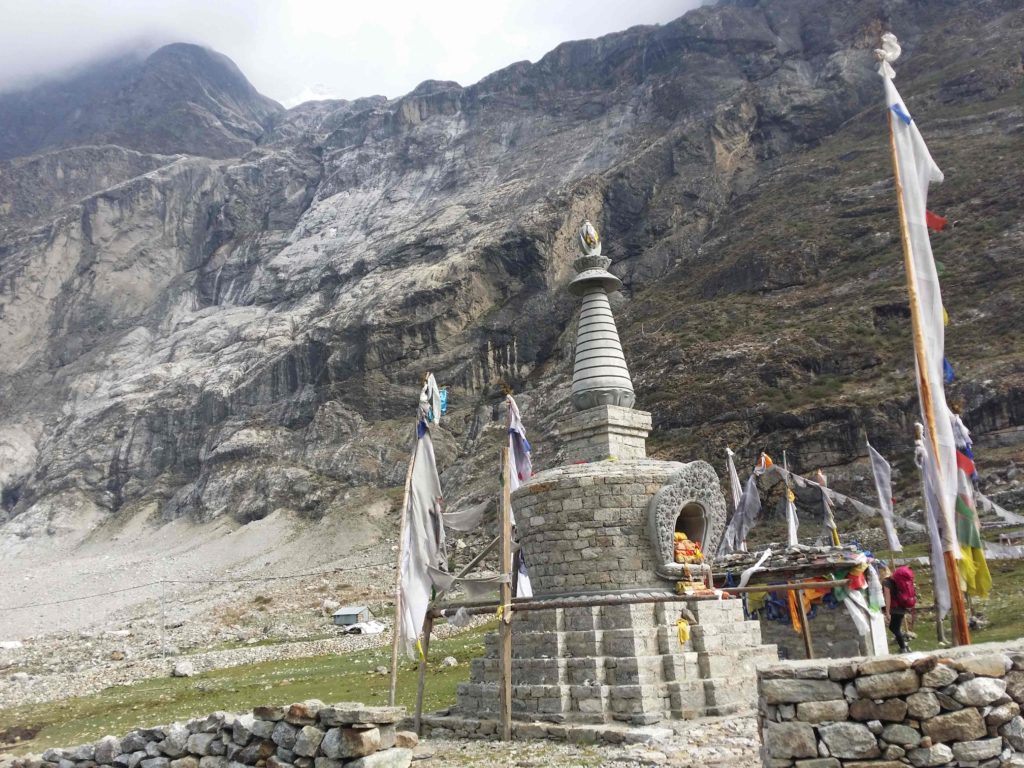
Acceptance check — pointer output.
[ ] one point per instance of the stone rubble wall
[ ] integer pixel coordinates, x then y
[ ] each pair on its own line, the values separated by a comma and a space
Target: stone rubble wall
956, 707
304, 735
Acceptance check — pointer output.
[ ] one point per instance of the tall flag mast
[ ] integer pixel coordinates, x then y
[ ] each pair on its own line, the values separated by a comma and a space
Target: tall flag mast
914, 169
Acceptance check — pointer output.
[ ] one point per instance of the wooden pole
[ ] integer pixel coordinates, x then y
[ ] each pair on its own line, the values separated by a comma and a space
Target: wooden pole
428, 626
393, 685
805, 628
505, 625
961, 632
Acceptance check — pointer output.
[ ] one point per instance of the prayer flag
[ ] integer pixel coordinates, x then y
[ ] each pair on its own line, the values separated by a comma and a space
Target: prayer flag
423, 546
734, 479
792, 522
916, 170
973, 566
520, 469
935, 521
743, 519
934, 221
883, 485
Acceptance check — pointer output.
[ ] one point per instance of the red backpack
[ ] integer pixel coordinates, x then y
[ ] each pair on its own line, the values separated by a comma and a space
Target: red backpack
904, 595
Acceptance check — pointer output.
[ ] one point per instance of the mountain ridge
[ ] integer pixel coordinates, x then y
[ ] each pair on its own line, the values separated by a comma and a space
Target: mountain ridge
241, 334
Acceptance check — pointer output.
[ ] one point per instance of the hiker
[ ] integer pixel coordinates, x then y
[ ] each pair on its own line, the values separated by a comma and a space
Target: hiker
900, 599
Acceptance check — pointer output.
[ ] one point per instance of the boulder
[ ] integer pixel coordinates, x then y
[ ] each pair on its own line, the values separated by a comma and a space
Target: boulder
183, 669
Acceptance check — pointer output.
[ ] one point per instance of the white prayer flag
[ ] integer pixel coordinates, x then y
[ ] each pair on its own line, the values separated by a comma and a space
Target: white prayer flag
734, 480
883, 484
423, 547
916, 170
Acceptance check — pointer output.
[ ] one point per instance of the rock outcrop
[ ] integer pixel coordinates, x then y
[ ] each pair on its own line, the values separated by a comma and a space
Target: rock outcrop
213, 307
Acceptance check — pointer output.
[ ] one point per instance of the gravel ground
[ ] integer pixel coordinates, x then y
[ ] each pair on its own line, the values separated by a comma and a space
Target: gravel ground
715, 742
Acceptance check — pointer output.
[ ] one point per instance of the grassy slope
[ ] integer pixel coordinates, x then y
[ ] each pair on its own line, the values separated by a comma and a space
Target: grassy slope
162, 700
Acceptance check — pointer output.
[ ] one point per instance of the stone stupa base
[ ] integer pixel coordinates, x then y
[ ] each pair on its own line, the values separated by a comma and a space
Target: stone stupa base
620, 666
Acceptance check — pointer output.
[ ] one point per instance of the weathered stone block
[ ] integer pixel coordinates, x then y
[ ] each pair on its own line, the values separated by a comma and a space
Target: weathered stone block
797, 691
284, 734
822, 711
106, 749
888, 684
939, 677
924, 757
849, 740
922, 705
965, 725
307, 741
1013, 732
1002, 714
983, 749
883, 665
199, 743
901, 735
980, 691
789, 740
890, 710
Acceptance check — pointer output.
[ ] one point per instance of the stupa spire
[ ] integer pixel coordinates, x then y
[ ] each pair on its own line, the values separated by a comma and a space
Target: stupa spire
600, 375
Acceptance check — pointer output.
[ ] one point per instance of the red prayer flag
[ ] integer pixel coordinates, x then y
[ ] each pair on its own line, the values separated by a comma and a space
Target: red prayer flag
963, 461
934, 221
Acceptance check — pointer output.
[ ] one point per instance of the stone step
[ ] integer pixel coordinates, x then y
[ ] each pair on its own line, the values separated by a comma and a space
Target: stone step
637, 704
636, 641
604, 670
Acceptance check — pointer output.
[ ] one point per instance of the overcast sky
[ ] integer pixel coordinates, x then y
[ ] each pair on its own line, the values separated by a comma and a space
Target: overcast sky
293, 50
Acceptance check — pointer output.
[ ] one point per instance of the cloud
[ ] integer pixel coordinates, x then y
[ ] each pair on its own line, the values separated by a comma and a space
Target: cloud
293, 50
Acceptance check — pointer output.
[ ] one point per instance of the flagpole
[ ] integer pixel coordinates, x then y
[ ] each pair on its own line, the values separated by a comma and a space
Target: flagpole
393, 685
505, 612
961, 633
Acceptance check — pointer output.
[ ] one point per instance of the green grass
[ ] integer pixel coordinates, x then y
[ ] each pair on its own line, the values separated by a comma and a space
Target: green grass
1002, 609
348, 677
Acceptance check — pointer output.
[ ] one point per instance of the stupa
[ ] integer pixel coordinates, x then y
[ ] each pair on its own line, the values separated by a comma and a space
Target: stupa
604, 523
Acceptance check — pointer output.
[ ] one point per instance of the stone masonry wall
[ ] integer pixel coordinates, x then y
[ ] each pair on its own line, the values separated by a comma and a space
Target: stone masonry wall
585, 526
304, 735
958, 707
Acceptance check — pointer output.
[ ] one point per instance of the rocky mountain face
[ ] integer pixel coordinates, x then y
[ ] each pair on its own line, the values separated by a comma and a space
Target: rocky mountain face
211, 307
